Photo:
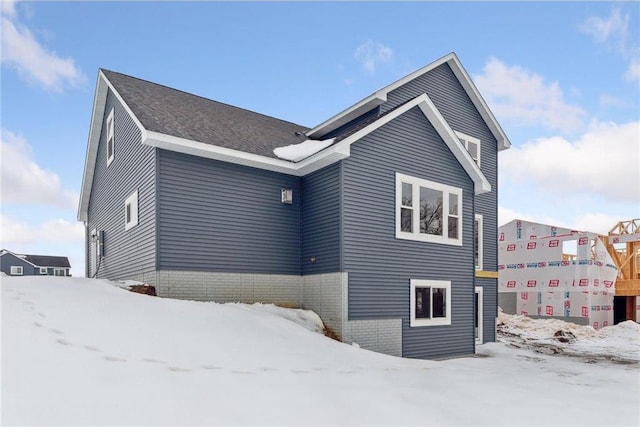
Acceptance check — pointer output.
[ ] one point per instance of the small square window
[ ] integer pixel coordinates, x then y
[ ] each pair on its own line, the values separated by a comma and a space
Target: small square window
131, 211
110, 138
471, 144
430, 302
16, 270
43, 270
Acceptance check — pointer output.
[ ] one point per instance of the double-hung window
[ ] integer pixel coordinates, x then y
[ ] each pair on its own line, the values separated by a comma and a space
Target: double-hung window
471, 144
430, 302
428, 211
110, 138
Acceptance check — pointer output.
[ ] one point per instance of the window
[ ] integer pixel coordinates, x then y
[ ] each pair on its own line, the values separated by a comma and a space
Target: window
43, 270
110, 138
16, 270
430, 302
477, 244
428, 211
478, 318
131, 211
471, 144
59, 272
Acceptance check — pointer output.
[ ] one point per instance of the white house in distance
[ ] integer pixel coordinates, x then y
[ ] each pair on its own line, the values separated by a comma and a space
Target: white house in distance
552, 272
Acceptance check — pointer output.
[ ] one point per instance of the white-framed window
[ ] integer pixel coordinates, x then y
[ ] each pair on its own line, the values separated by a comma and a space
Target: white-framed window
477, 241
59, 272
43, 270
428, 211
131, 211
430, 302
471, 144
478, 319
16, 270
110, 138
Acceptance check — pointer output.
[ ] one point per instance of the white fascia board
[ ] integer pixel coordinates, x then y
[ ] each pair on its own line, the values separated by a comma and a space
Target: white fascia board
347, 115
99, 103
381, 95
478, 101
447, 134
8, 252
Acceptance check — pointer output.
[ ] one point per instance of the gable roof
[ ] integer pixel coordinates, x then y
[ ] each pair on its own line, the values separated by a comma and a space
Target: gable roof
178, 121
379, 97
183, 115
41, 260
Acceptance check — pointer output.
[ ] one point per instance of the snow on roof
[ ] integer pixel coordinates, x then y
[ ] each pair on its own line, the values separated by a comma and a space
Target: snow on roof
302, 150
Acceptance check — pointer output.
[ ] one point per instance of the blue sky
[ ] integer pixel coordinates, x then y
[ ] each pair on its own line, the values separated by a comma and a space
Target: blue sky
563, 80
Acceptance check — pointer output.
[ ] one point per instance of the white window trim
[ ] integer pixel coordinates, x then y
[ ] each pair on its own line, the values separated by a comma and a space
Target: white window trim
132, 201
479, 218
479, 290
17, 270
63, 270
110, 137
44, 270
465, 140
441, 321
423, 237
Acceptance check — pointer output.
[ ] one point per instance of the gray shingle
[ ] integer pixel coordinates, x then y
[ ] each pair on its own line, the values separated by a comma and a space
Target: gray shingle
181, 114
48, 261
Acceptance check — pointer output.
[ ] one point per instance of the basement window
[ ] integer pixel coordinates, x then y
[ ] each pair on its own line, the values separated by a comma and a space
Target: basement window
131, 211
430, 302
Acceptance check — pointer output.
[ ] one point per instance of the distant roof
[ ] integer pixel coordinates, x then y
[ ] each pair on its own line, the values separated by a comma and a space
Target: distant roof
181, 114
48, 261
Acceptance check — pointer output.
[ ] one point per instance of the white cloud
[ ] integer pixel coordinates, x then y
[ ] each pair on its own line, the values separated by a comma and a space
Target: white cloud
633, 71
525, 98
596, 222
34, 62
24, 181
606, 100
18, 233
371, 54
8, 8
615, 27
603, 161
506, 215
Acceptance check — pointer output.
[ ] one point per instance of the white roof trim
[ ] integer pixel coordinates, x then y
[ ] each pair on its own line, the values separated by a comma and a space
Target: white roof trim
325, 157
381, 96
95, 129
21, 257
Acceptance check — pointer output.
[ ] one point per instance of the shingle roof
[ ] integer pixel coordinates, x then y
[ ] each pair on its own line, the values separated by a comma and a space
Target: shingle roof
181, 114
48, 261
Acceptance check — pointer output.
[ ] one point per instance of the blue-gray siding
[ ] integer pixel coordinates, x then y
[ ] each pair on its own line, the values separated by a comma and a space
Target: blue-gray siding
321, 216
131, 252
380, 266
450, 98
217, 216
8, 260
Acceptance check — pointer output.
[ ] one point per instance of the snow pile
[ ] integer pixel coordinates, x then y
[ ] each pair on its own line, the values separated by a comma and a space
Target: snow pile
302, 150
620, 343
85, 352
305, 318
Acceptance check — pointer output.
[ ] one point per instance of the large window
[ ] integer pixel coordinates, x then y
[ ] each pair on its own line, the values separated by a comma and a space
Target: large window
428, 211
430, 302
471, 144
131, 211
16, 270
110, 138
478, 242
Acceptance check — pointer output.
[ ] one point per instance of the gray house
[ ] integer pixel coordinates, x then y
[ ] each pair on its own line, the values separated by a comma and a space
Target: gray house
13, 264
382, 219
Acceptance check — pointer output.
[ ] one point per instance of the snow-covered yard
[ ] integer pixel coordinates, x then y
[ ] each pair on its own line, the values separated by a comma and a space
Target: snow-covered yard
84, 352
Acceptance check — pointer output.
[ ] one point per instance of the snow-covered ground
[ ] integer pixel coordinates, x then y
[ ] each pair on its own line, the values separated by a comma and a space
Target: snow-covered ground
84, 352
